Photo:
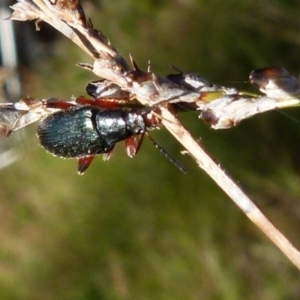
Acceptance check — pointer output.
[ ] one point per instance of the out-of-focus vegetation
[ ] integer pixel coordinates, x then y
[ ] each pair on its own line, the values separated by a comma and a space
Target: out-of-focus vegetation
138, 228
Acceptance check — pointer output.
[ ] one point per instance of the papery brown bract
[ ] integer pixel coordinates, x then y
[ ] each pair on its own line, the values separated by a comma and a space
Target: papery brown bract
275, 82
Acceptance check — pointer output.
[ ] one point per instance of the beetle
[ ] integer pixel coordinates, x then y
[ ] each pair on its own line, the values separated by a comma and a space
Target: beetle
90, 127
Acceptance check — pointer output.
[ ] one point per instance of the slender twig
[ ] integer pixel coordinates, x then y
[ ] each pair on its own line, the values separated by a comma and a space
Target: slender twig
229, 187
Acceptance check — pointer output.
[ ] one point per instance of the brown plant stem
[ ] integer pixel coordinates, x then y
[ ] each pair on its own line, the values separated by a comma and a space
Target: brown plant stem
235, 193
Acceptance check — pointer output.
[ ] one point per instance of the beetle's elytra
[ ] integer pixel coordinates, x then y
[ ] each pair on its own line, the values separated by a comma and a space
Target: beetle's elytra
86, 129
80, 131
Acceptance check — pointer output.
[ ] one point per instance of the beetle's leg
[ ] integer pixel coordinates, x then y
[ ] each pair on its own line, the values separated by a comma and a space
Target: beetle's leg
100, 102
85, 101
140, 141
84, 163
133, 144
58, 104
107, 155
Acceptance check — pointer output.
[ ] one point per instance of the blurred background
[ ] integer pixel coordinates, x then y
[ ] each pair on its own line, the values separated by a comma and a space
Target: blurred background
139, 228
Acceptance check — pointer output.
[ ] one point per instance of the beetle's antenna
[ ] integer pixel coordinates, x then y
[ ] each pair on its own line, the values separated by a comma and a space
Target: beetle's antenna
288, 116
167, 155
